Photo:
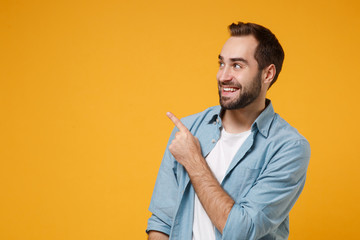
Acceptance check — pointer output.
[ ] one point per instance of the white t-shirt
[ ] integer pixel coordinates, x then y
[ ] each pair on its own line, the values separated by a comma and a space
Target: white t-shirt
218, 160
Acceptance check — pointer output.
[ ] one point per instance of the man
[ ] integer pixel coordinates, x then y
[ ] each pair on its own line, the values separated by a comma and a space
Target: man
233, 171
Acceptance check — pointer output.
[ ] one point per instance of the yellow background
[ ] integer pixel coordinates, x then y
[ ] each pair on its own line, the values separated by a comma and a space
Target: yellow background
85, 85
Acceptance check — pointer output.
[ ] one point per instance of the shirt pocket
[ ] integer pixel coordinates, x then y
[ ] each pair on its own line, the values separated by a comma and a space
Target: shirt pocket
238, 183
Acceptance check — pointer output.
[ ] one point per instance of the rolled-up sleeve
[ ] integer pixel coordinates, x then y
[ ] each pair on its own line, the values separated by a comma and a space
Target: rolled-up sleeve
164, 198
274, 193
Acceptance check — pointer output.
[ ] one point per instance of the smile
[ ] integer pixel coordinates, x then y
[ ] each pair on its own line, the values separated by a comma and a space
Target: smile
227, 89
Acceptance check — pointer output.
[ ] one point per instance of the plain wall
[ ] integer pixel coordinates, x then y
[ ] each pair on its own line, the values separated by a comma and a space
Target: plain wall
85, 85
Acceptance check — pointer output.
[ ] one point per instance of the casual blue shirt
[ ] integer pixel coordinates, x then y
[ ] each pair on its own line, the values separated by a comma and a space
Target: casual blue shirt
265, 178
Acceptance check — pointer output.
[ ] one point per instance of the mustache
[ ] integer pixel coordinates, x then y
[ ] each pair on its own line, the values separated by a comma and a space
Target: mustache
232, 84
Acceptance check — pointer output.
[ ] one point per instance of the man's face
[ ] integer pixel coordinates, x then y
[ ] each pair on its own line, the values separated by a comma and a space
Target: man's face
239, 79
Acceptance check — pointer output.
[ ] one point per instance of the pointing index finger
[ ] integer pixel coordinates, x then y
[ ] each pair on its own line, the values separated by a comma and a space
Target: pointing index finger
177, 122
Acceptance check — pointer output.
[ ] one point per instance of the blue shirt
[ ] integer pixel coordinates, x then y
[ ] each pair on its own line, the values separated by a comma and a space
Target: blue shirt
265, 178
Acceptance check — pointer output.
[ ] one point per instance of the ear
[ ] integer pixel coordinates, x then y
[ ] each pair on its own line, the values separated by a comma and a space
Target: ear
269, 74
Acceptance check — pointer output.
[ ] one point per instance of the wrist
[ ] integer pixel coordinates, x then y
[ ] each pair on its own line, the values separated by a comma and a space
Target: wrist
197, 166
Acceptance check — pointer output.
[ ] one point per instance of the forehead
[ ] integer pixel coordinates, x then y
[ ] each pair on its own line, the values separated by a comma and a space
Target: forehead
242, 46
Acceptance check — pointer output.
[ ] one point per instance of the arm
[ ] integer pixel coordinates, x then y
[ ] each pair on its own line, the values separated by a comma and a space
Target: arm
216, 202
155, 235
164, 197
187, 151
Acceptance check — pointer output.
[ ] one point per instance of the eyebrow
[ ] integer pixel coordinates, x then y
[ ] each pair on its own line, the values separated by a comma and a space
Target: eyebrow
235, 59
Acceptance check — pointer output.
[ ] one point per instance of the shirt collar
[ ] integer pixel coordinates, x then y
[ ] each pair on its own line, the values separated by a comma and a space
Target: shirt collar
262, 122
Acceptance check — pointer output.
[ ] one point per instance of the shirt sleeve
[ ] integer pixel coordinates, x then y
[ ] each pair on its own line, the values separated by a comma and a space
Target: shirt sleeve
164, 199
271, 198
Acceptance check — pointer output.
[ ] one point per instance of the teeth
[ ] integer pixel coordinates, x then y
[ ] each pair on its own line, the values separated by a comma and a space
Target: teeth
230, 89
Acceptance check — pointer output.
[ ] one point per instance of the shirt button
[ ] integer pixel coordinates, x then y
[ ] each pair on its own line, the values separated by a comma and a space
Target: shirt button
213, 141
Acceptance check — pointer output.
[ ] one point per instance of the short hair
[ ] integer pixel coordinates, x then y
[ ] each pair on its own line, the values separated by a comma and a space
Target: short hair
268, 51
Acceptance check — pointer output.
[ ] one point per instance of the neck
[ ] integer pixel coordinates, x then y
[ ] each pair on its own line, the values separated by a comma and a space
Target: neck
240, 120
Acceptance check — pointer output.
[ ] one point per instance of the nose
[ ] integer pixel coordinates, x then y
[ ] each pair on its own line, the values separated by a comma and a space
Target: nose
224, 74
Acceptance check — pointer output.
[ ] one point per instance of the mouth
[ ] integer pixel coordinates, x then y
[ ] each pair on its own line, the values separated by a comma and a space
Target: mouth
228, 91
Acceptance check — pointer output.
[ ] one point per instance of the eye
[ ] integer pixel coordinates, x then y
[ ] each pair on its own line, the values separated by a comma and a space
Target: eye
237, 66
221, 64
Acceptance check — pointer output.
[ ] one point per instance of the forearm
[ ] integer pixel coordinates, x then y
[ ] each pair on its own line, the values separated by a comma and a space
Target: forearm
187, 151
216, 202
155, 235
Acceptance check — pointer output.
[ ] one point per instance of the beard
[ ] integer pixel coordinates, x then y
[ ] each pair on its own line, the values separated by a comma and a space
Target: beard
246, 94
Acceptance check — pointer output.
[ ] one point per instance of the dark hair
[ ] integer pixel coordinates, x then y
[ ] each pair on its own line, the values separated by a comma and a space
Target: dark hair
268, 51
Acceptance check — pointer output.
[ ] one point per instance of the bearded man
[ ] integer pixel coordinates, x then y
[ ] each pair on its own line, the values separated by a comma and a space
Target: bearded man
233, 171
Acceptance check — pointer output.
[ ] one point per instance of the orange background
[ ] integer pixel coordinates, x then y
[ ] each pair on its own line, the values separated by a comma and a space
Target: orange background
85, 85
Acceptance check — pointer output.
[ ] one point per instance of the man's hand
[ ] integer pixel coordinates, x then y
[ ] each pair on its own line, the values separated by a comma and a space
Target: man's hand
185, 147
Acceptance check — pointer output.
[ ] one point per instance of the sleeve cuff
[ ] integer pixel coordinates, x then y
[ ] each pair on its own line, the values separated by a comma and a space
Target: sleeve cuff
155, 224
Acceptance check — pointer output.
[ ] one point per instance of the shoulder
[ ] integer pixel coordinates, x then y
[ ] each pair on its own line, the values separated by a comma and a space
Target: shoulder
283, 129
284, 135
